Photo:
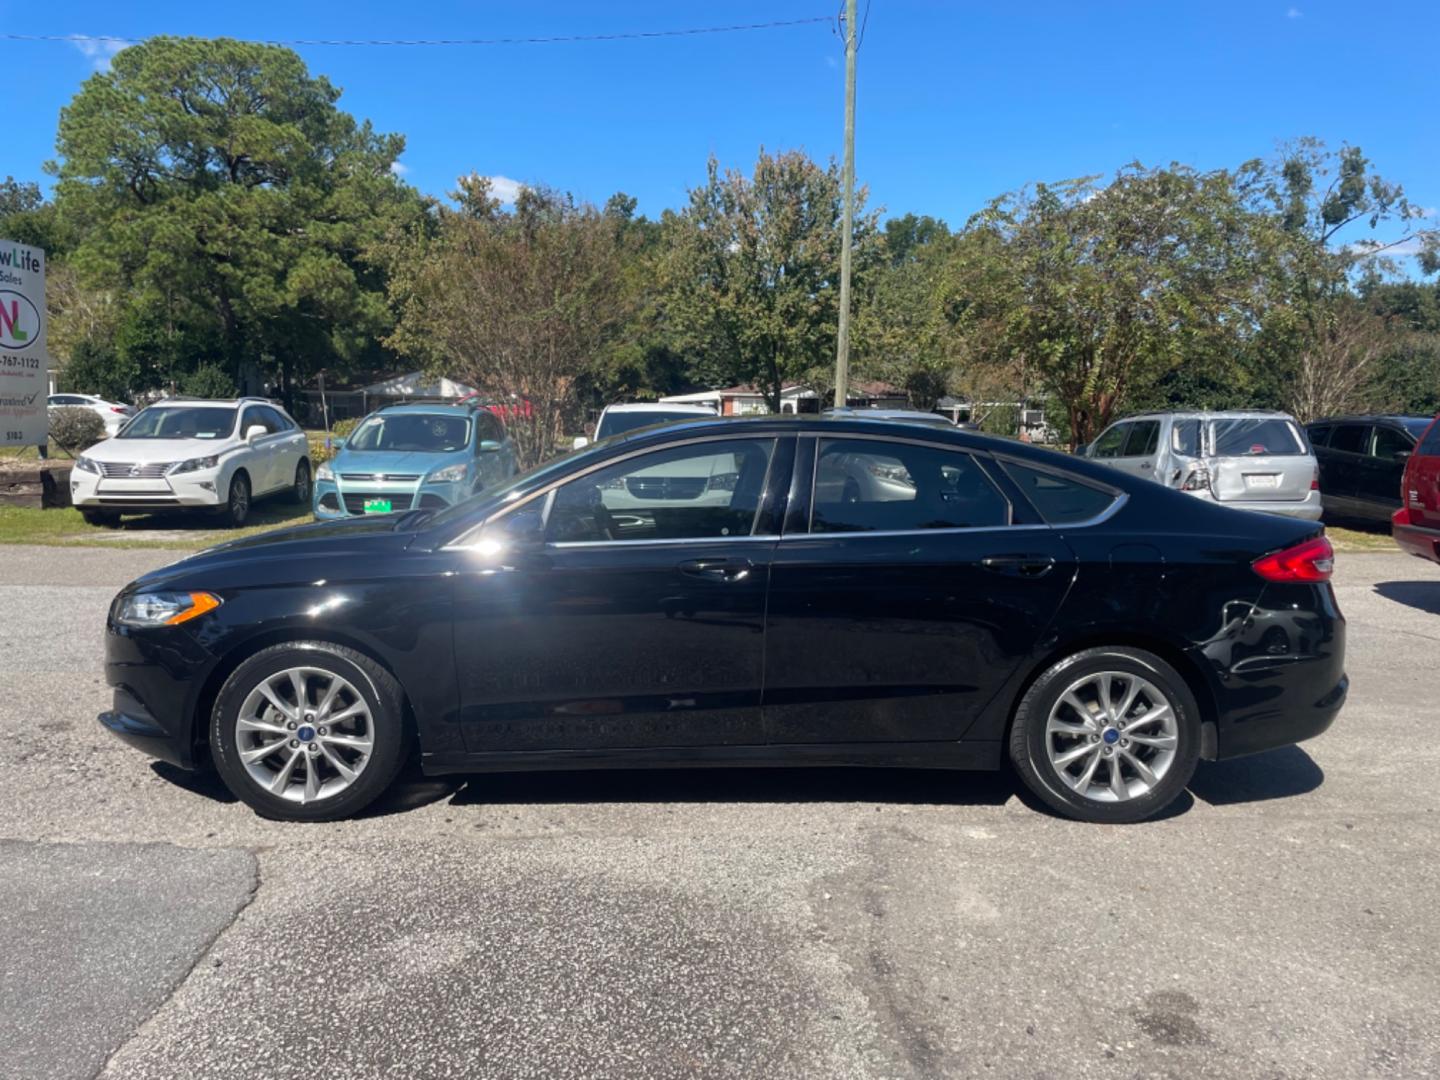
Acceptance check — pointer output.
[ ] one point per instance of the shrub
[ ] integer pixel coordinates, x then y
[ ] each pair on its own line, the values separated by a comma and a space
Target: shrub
341, 429
74, 429
208, 381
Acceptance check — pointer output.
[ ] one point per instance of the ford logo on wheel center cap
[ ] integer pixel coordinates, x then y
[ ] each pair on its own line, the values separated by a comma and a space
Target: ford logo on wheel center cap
1110, 735
305, 734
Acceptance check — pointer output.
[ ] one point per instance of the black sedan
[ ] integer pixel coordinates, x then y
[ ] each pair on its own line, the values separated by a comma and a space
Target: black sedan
809, 591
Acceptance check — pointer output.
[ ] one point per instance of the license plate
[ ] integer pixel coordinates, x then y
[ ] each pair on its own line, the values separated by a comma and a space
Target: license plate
377, 506
1262, 480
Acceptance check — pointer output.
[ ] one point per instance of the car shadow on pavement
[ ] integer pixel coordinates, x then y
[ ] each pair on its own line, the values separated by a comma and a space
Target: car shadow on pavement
1422, 595
732, 785
1276, 774
411, 789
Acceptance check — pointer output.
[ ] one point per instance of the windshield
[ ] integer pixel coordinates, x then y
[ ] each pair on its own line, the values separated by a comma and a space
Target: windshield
618, 423
1416, 425
181, 422
1243, 437
432, 434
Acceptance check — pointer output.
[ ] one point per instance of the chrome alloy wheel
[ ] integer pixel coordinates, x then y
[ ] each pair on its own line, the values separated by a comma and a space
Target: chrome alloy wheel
304, 734
1112, 736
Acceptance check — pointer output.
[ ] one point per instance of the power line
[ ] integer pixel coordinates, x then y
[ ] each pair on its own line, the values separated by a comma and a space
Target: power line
558, 39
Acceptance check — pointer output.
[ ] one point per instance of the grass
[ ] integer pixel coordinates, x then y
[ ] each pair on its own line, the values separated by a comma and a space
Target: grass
1373, 538
176, 531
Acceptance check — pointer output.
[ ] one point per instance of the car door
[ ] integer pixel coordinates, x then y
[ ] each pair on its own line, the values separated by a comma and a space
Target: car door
639, 620
288, 445
1380, 471
256, 457
1111, 443
896, 615
1422, 491
1142, 443
491, 451
1347, 448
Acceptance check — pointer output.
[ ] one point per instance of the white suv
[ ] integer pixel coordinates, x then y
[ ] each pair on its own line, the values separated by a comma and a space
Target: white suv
202, 455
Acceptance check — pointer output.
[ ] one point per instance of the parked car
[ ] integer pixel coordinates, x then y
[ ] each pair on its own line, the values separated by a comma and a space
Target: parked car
188, 454
425, 455
1249, 460
1362, 461
618, 419
1416, 525
998, 601
904, 416
113, 413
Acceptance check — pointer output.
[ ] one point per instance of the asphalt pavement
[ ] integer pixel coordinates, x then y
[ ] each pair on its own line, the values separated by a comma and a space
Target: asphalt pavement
1282, 921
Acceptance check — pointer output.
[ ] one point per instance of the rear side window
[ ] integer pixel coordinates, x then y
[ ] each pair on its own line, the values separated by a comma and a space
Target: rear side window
1430, 445
1144, 438
1061, 499
1111, 442
1350, 438
1185, 438
1256, 436
868, 485
1319, 434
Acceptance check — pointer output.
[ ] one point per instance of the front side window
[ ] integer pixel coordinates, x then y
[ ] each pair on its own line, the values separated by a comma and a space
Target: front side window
1389, 442
699, 491
1319, 434
180, 422
1111, 441
1143, 439
1256, 436
432, 434
1060, 498
274, 420
868, 485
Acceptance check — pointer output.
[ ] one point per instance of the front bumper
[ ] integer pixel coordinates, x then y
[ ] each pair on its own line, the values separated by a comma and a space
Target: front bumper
336, 499
1415, 539
157, 678
196, 490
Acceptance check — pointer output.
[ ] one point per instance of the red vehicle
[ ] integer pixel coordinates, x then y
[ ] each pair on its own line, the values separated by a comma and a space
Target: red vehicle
1416, 525
518, 409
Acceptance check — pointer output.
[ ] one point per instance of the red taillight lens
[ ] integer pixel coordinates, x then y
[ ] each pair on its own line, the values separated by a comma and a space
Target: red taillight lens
1312, 560
1315, 480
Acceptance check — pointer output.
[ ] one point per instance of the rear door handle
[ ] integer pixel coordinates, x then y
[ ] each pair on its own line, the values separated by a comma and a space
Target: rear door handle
1032, 566
718, 569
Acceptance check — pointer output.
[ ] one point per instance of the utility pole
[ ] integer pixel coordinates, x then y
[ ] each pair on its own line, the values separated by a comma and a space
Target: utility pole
842, 339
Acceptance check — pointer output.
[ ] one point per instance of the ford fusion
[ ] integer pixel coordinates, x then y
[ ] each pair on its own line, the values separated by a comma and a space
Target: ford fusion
810, 591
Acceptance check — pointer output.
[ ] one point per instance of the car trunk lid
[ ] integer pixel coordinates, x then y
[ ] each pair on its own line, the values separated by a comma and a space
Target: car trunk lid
1258, 459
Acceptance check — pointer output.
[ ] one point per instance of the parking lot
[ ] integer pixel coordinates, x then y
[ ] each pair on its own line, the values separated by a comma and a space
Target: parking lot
1282, 922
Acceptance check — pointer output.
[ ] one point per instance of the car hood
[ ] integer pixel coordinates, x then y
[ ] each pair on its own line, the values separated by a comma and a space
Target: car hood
301, 553
133, 450
391, 461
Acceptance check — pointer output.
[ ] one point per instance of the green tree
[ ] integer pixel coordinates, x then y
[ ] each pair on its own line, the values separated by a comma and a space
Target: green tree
751, 281
218, 188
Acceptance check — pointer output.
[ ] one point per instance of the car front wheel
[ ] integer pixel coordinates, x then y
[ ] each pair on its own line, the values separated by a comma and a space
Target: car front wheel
237, 502
302, 483
309, 731
1108, 735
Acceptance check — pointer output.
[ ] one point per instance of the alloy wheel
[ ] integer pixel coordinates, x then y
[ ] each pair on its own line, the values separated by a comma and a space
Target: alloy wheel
1112, 736
239, 500
304, 734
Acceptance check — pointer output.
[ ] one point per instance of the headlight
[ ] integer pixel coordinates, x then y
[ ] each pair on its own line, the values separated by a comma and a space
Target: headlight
84, 464
195, 464
448, 475
164, 608
325, 473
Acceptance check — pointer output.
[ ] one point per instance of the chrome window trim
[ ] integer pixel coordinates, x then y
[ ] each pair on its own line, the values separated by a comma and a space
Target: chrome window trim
1120, 495
660, 543
468, 538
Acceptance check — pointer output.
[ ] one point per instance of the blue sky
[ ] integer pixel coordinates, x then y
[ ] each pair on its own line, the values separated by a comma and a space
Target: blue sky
958, 101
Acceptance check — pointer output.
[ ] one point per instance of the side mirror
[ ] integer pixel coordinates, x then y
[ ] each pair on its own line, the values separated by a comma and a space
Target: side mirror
489, 446
254, 431
337, 444
522, 530
579, 443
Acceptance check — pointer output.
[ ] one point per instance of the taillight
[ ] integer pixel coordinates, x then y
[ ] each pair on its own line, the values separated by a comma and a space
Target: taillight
1311, 560
1315, 479
1198, 479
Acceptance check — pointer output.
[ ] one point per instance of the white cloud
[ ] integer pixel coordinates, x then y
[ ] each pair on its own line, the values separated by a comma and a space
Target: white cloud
1294, 13
399, 169
505, 189
1412, 246
97, 50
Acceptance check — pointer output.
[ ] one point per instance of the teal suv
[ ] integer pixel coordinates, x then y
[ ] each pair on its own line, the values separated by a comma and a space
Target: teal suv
417, 456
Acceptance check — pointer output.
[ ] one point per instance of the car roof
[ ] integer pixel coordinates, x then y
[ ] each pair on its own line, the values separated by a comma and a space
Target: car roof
223, 403
1209, 414
660, 406
1370, 418
431, 408
886, 414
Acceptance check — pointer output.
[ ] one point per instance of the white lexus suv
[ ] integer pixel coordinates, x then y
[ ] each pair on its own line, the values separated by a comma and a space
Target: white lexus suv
194, 455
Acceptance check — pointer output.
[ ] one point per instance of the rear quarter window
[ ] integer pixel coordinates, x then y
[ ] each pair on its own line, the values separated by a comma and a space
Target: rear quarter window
1060, 498
1253, 437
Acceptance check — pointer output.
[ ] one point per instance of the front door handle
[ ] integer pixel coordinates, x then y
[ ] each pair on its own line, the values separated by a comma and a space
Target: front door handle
718, 569
1031, 566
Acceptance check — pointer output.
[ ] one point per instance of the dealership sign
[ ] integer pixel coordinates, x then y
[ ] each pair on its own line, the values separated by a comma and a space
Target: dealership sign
24, 363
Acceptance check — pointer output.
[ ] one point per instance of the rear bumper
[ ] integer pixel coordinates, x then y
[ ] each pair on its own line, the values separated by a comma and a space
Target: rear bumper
1415, 539
1306, 509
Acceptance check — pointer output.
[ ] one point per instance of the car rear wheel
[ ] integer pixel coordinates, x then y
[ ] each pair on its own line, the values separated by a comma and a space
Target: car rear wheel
309, 731
302, 483
1107, 735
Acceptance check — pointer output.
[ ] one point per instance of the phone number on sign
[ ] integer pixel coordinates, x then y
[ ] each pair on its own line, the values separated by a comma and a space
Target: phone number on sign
23, 363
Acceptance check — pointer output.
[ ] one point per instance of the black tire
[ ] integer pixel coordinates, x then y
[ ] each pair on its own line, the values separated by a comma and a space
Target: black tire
102, 518
302, 490
390, 730
1028, 735
236, 510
